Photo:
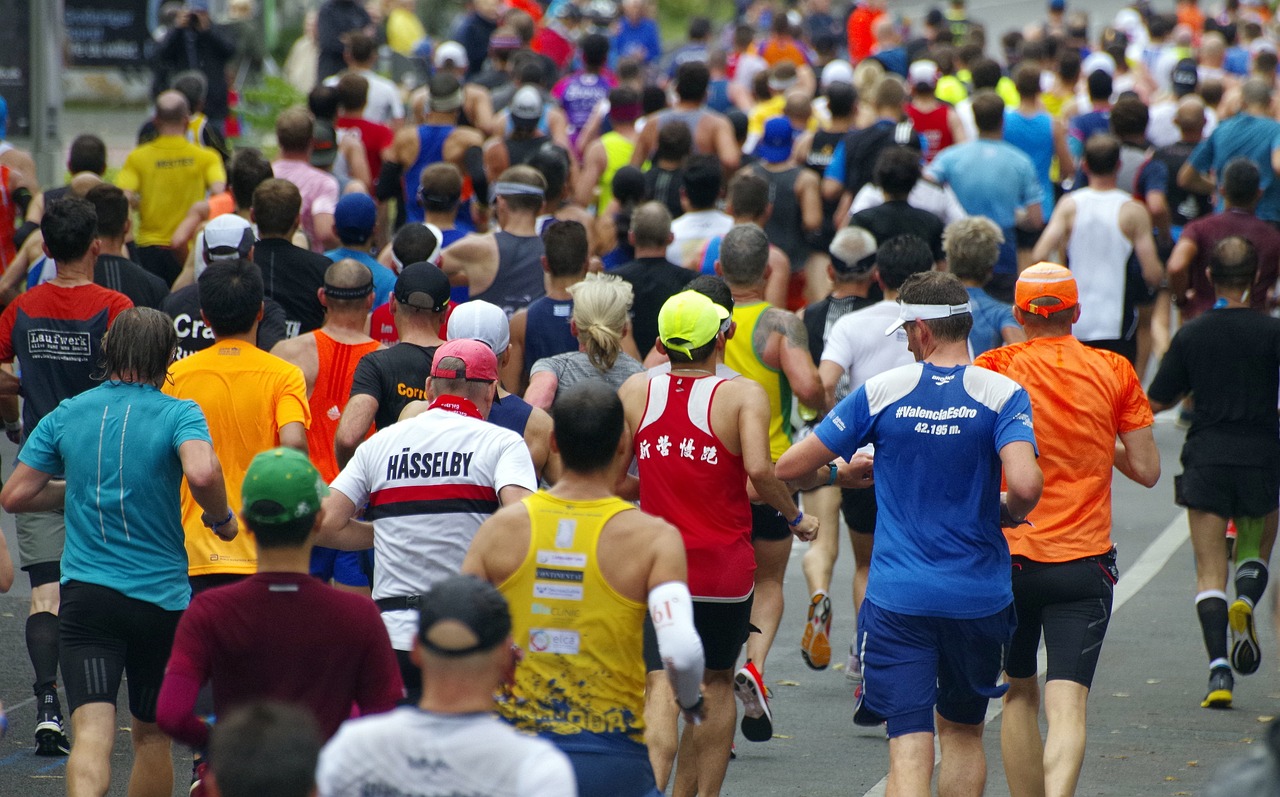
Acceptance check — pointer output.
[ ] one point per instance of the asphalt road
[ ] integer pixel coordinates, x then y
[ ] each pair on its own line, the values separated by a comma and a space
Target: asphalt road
1147, 733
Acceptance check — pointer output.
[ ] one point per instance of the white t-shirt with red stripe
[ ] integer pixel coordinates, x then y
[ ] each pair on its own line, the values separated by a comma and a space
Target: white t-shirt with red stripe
429, 483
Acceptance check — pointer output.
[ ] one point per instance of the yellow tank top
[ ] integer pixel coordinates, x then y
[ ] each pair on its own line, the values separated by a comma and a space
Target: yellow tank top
740, 355
617, 153
583, 669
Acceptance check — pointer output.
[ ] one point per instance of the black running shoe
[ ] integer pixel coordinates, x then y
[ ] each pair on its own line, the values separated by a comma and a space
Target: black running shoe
51, 737
1221, 682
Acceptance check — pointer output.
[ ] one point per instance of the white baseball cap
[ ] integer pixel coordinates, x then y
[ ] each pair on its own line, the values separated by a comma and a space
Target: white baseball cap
450, 51
837, 71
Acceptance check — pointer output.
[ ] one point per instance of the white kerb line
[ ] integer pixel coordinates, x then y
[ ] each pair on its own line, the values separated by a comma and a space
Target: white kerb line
1151, 562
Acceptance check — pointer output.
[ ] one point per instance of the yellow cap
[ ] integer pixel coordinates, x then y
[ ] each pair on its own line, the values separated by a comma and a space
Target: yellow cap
688, 321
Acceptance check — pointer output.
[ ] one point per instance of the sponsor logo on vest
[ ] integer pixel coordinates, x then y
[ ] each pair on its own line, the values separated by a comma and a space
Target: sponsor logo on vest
553, 640
428, 465
558, 559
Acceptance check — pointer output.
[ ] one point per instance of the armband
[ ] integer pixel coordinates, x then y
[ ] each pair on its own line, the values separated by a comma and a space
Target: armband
671, 610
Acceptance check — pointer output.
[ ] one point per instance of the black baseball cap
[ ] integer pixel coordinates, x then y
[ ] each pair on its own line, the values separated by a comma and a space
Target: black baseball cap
462, 615
423, 286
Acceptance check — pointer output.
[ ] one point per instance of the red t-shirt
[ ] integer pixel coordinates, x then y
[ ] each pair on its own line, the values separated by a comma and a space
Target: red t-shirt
279, 636
374, 136
382, 325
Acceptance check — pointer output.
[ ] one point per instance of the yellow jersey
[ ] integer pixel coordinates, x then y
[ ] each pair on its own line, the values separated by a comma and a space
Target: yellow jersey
170, 174
246, 395
583, 669
740, 355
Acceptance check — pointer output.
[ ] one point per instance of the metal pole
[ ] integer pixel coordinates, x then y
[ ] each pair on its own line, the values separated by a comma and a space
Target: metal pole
46, 89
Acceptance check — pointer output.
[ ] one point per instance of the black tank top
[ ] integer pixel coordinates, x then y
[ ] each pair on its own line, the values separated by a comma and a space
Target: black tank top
784, 226
521, 150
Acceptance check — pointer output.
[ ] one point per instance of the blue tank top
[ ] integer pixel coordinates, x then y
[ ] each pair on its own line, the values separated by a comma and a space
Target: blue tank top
1034, 136
512, 412
718, 96
546, 330
430, 150
458, 293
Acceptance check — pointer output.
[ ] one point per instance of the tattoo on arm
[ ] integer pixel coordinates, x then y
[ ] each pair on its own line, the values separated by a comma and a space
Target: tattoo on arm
786, 324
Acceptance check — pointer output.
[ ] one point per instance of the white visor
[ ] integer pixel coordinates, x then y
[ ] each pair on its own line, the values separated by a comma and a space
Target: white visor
926, 312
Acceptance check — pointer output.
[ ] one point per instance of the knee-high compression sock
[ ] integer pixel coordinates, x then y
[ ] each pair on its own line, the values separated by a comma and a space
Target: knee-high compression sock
1251, 580
42, 647
1211, 605
1249, 539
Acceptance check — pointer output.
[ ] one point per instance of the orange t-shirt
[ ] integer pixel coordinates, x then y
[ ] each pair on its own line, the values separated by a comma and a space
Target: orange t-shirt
1081, 399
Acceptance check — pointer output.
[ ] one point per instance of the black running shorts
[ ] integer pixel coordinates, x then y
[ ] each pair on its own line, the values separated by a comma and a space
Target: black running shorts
723, 628
859, 509
767, 524
1070, 603
1228, 491
104, 635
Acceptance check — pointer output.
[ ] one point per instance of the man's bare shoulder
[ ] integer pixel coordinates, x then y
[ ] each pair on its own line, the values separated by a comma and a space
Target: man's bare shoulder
649, 530
294, 349
787, 324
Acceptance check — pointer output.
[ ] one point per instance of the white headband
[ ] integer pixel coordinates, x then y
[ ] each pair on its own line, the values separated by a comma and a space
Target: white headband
926, 312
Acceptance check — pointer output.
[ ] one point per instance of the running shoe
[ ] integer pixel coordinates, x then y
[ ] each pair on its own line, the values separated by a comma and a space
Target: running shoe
1221, 682
815, 645
51, 736
1246, 655
757, 720
853, 669
199, 769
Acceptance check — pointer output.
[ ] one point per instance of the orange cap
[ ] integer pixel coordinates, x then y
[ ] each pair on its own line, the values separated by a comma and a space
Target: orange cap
1046, 281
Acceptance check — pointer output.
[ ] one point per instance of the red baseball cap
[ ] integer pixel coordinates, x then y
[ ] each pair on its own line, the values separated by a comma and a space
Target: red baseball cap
478, 361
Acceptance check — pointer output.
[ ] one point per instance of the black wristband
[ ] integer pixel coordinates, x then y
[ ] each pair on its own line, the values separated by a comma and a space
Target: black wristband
696, 706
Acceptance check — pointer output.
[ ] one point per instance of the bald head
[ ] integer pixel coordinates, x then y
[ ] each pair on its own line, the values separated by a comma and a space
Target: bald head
1213, 49
1256, 94
1189, 117
347, 273
799, 104
651, 226
171, 110
83, 183
348, 284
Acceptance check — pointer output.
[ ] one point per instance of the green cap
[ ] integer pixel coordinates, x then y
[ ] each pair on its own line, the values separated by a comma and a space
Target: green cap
688, 321
281, 485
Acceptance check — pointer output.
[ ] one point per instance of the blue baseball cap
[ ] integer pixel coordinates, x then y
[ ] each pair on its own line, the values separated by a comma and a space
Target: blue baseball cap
775, 145
355, 217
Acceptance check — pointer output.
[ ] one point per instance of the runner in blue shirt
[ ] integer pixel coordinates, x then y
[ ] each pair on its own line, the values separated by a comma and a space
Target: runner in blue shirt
942, 430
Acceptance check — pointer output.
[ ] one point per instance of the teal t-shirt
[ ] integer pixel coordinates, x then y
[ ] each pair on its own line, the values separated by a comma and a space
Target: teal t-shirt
117, 445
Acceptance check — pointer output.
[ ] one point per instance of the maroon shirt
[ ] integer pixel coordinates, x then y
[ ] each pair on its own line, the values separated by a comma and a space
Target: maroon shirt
1206, 231
279, 636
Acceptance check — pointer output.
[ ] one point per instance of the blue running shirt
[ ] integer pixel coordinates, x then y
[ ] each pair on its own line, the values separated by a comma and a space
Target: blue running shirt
940, 551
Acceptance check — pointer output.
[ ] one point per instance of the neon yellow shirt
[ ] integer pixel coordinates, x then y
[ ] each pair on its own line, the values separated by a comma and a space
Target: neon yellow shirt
740, 355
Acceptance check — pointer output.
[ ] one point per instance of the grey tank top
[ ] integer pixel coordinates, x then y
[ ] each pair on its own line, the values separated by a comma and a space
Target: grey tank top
690, 118
519, 278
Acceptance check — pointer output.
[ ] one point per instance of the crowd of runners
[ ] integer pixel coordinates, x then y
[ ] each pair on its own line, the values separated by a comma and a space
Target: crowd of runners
489, 409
